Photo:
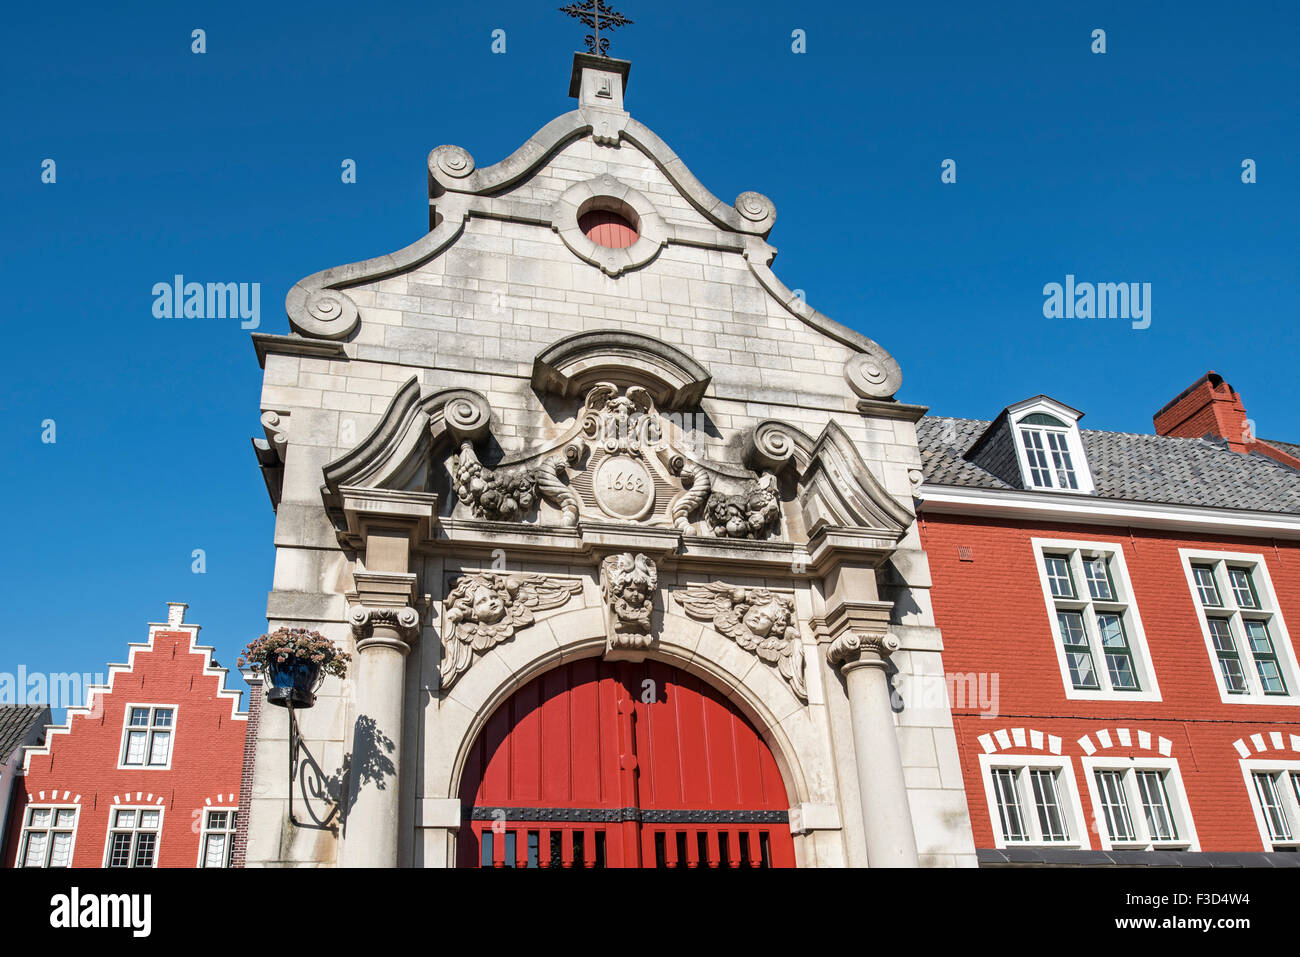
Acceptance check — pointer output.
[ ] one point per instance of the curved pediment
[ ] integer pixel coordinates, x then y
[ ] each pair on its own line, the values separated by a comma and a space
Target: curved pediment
575, 363
321, 306
395, 456
836, 488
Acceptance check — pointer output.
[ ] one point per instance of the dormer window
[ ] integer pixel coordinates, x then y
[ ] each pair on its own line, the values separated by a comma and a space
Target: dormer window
1047, 448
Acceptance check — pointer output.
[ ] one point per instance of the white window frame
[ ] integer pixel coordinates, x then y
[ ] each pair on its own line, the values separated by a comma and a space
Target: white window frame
1073, 443
1268, 609
1179, 809
54, 810
1067, 792
136, 830
1143, 667
206, 831
149, 730
1290, 803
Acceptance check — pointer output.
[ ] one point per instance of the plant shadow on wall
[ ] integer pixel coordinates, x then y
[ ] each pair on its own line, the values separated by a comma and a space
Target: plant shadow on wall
323, 795
371, 759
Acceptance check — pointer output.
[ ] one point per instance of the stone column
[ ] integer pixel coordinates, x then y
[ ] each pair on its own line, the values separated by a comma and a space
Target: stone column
385, 626
887, 818
857, 624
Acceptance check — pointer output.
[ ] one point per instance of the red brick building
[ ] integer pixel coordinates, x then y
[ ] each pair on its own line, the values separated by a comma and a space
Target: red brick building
1117, 614
147, 774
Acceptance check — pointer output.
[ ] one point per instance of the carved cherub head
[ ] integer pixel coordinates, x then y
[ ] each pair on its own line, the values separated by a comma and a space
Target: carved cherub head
629, 585
765, 614
481, 599
486, 608
756, 619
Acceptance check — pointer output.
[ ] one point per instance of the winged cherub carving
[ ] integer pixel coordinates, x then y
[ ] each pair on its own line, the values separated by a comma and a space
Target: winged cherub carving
621, 423
628, 583
487, 608
754, 618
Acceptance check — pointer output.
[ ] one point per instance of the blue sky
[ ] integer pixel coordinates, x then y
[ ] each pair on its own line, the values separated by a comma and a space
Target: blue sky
225, 166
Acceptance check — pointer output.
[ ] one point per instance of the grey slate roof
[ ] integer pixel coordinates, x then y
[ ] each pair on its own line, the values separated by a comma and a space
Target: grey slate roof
1130, 467
1290, 448
16, 722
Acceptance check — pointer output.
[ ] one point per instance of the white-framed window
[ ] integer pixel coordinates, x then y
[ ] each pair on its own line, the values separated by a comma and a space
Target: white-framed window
218, 840
1033, 801
148, 736
1139, 804
1049, 446
48, 836
1274, 788
1245, 635
1096, 628
133, 837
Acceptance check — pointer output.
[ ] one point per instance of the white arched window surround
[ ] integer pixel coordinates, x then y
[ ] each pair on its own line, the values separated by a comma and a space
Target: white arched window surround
1049, 446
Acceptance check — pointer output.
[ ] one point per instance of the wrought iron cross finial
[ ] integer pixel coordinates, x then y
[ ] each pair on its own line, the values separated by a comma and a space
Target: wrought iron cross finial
598, 16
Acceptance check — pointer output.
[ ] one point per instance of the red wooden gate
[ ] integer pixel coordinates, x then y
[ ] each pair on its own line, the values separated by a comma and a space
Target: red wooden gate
597, 764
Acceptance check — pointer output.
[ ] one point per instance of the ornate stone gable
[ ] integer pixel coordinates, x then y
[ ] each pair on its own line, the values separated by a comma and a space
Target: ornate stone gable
552, 449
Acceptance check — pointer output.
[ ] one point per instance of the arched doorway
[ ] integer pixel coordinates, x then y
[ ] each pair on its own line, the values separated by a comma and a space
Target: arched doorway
604, 764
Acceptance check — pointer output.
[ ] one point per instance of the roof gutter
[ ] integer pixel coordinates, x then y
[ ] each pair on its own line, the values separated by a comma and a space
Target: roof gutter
1090, 510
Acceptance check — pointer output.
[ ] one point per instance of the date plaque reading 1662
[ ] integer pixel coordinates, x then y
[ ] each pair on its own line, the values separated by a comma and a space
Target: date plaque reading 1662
624, 488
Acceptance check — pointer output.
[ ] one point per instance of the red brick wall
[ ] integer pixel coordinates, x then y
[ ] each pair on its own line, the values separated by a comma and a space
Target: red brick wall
246, 773
207, 753
994, 619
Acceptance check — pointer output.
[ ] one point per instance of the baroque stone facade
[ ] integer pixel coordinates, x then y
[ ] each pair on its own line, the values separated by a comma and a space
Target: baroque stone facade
506, 446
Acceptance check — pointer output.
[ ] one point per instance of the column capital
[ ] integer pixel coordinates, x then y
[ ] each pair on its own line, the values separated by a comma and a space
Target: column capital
394, 627
853, 649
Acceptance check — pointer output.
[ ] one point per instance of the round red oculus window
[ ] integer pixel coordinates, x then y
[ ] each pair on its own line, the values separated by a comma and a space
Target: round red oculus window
607, 228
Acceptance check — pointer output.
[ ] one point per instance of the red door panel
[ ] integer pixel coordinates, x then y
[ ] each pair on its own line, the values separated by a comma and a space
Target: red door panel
577, 770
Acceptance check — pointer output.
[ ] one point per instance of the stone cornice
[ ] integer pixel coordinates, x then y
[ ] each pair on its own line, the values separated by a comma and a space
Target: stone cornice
890, 409
267, 344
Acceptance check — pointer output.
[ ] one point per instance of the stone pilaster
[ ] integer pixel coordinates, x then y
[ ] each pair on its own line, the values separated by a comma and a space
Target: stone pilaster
385, 626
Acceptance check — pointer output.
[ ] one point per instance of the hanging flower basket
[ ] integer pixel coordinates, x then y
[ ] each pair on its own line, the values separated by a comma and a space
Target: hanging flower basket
294, 662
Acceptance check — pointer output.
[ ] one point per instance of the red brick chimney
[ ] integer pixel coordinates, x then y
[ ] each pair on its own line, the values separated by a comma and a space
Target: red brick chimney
1209, 406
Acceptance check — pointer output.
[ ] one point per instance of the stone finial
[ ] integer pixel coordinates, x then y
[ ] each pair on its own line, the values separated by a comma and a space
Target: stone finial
176, 613
598, 82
